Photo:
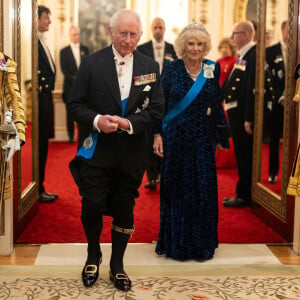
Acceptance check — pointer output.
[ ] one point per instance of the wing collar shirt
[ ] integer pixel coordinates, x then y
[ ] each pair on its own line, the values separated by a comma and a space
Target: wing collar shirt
242, 52
124, 69
43, 41
76, 53
159, 50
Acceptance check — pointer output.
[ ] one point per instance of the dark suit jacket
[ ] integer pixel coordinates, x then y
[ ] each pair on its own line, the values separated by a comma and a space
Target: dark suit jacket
147, 49
69, 67
46, 80
96, 91
46, 76
239, 86
275, 61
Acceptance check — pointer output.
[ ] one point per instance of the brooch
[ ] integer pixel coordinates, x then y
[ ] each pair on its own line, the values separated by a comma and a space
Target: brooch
208, 70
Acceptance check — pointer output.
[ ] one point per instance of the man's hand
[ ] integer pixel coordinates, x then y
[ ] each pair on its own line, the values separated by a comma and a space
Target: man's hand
248, 127
108, 123
158, 145
123, 123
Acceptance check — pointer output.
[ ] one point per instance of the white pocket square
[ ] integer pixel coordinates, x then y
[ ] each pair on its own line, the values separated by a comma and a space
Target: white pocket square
147, 88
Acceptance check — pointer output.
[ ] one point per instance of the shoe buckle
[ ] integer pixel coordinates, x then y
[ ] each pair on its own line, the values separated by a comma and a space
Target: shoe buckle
90, 269
121, 276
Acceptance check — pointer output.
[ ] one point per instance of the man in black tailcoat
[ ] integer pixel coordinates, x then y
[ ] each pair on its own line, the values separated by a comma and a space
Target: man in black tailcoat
162, 52
116, 97
46, 79
276, 59
70, 59
238, 92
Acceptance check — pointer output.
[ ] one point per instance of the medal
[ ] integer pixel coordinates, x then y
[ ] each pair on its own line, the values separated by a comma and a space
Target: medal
88, 142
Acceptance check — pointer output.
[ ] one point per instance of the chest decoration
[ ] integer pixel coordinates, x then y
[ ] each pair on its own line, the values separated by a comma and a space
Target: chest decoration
168, 57
208, 70
240, 64
144, 79
280, 74
89, 145
144, 106
278, 60
88, 142
3, 65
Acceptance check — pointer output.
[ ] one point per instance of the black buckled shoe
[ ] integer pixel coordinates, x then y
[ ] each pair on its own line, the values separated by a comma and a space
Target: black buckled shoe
46, 198
121, 281
90, 274
235, 202
272, 179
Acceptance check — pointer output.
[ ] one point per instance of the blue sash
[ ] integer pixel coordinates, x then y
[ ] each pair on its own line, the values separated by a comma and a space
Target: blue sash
187, 99
88, 146
124, 103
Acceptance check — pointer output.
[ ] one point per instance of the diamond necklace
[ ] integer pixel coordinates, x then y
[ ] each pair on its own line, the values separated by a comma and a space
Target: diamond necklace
192, 75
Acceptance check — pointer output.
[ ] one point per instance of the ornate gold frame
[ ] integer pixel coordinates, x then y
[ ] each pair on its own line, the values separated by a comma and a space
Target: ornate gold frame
276, 205
1, 27
25, 199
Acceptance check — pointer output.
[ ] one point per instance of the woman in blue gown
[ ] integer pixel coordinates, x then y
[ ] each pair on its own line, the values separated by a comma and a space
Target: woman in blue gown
194, 125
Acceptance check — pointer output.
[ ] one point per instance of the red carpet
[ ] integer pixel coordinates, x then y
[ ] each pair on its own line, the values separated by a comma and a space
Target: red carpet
59, 222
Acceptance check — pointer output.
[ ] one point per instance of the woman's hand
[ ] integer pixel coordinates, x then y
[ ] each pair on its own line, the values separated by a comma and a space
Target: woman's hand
219, 146
158, 145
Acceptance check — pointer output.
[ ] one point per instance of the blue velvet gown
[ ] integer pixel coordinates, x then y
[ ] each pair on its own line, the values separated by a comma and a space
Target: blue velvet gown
189, 194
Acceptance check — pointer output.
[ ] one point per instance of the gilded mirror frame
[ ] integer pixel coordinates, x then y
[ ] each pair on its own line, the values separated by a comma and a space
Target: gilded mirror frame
275, 204
1, 27
25, 199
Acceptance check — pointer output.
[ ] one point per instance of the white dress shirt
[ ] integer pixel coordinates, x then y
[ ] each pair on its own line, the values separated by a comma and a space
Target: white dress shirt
43, 41
76, 53
159, 52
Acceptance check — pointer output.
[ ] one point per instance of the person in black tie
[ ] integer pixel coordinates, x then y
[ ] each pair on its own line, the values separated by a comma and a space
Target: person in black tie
70, 58
238, 92
46, 81
276, 59
116, 97
161, 51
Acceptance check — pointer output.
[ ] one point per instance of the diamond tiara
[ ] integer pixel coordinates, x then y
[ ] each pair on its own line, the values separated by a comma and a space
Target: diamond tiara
195, 26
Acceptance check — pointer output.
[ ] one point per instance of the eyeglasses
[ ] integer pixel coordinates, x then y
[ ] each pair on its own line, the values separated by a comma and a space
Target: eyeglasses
237, 32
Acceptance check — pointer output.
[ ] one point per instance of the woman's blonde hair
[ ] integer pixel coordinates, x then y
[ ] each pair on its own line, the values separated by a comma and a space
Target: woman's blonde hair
230, 43
192, 30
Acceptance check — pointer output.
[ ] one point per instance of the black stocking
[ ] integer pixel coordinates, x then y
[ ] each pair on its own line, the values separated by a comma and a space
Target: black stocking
119, 243
92, 224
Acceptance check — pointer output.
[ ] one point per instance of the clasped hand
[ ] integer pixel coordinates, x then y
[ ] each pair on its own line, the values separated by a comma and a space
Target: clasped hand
109, 123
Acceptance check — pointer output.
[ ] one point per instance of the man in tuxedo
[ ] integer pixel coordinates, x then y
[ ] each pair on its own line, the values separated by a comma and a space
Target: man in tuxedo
46, 80
238, 92
116, 97
276, 59
70, 59
161, 51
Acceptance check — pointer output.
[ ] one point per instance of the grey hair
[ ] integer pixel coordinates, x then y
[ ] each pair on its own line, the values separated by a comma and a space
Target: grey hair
122, 13
192, 30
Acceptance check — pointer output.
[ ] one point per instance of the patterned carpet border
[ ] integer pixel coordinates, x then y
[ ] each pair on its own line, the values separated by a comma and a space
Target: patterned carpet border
154, 282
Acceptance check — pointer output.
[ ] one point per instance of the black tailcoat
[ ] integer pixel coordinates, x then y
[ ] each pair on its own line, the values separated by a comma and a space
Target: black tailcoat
69, 69
276, 64
147, 49
96, 91
239, 86
46, 80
